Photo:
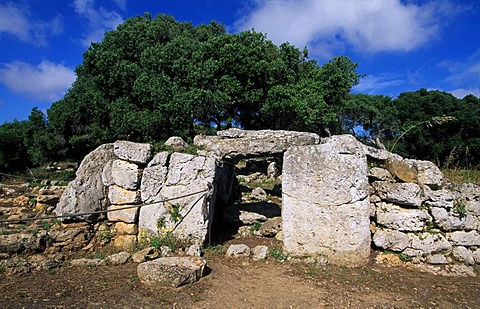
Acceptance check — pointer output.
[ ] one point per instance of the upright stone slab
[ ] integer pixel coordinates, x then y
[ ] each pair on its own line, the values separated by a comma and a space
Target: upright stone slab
190, 216
87, 192
325, 201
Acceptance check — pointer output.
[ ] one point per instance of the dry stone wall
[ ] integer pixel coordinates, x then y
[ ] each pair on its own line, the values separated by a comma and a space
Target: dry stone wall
340, 197
143, 190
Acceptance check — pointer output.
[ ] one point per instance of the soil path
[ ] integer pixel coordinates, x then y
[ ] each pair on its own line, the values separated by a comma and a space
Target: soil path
242, 283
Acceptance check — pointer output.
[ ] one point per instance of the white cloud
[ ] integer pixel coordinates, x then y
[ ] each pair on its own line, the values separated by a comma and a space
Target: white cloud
461, 93
45, 82
99, 19
377, 84
16, 21
463, 74
369, 25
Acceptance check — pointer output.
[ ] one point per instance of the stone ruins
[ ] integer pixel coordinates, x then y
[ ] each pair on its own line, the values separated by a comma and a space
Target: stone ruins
340, 199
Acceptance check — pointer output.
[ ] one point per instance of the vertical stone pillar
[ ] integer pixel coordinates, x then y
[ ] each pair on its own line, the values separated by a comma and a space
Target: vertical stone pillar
325, 201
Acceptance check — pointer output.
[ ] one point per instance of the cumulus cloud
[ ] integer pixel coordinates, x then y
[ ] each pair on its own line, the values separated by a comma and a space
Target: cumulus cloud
16, 21
370, 26
99, 19
45, 82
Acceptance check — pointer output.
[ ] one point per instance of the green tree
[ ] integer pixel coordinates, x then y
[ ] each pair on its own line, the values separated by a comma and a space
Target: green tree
13, 153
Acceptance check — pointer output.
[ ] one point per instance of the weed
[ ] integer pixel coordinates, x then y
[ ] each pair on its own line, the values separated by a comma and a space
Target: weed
34, 232
105, 236
459, 206
217, 249
161, 223
255, 227
46, 225
3, 269
424, 206
32, 202
175, 213
99, 255
133, 278
430, 228
165, 237
404, 258
278, 254
241, 180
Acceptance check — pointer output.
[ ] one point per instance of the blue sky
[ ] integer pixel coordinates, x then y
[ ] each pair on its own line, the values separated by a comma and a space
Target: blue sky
402, 45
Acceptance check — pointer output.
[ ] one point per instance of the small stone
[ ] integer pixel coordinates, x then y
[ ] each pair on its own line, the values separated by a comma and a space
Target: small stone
236, 251
176, 142
259, 253
118, 259
143, 255
437, 259
259, 194
272, 170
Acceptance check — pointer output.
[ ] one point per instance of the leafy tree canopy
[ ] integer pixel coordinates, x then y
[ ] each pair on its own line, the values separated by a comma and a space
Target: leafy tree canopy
155, 77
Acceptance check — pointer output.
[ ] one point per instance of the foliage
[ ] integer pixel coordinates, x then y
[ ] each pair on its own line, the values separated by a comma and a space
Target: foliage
277, 254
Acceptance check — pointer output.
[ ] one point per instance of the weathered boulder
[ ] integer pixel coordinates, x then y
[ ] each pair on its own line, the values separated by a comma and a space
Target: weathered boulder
118, 258
171, 271
326, 205
236, 142
239, 250
176, 142
87, 193
190, 204
382, 174
463, 255
19, 242
270, 228
408, 194
259, 253
143, 255
133, 152
430, 243
421, 172
463, 238
125, 174
390, 240
452, 220
259, 194
272, 170
120, 196
402, 219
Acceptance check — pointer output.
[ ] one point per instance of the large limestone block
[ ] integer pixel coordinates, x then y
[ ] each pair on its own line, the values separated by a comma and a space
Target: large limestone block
120, 196
325, 201
430, 243
133, 152
421, 172
154, 176
452, 220
408, 194
125, 174
171, 271
390, 240
189, 176
236, 142
125, 213
402, 219
462, 238
87, 193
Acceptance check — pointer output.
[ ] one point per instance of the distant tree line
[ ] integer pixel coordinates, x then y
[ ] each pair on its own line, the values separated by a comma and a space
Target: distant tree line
156, 77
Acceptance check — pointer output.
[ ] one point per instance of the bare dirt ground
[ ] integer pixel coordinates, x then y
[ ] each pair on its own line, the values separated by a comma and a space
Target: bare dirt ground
242, 283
